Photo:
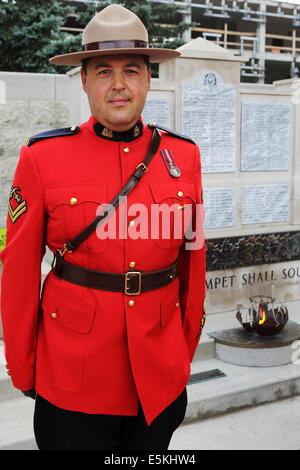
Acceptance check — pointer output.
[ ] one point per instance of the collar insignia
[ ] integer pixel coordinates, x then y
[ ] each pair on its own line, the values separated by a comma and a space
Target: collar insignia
107, 133
136, 131
170, 163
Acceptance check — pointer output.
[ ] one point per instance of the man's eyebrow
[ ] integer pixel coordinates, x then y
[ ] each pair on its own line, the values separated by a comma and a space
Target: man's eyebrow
129, 64
101, 64
133, 64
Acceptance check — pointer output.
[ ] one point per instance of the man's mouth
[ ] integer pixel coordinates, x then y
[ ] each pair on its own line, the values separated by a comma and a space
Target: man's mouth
119, 101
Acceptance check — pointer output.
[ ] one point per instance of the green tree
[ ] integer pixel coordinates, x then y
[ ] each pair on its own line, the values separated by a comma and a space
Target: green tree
30, 30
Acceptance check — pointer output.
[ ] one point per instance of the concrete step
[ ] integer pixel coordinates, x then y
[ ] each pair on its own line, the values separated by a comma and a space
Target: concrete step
241, 387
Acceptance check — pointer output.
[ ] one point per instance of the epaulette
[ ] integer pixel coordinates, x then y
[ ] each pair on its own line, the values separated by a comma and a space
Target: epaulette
65, 131
172, 133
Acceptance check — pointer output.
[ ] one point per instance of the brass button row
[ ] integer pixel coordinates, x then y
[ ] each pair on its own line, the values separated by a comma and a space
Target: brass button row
74, 200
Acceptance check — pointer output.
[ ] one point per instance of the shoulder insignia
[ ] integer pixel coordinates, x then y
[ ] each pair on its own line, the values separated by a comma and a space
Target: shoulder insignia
172, 133
65, 131
16, 206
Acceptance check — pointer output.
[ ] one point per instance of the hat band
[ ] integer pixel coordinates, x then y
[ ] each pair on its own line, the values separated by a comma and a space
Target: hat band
123, 44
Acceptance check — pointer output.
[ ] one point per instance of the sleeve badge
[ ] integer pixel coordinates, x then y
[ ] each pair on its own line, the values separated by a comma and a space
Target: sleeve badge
16, 206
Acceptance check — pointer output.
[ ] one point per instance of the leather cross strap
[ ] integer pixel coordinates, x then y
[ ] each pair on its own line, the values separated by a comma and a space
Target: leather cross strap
131, 282
108, 209
58, 260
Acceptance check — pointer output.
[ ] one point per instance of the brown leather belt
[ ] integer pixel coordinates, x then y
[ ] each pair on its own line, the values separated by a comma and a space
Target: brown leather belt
130, 283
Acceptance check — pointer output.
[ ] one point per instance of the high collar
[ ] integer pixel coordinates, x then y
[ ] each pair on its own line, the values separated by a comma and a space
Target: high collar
128, 136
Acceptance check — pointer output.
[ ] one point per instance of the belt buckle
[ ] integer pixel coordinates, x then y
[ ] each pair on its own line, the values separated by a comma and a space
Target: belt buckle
127, 278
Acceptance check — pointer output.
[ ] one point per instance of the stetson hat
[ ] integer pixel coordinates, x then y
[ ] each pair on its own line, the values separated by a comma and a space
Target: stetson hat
114, 30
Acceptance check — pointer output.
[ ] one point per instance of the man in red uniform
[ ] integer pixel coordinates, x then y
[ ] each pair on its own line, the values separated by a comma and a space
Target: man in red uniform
106, 348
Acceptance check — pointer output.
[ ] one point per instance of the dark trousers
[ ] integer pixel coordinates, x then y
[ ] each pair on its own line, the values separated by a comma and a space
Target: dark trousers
58, 429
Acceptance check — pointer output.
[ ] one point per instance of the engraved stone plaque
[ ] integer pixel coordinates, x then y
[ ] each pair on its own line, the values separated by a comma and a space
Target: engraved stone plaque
265, 136
209, 118
265, 203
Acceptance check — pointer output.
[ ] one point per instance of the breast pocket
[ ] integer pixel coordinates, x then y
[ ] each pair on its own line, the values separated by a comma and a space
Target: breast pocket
70, 210
63, 334
171, 212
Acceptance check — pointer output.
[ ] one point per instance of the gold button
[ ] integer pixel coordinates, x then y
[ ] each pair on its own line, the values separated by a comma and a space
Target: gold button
180, 194
131, 223
54, 315
132, 264
126, 150
177, 304
73, 128
131, 303
73, 201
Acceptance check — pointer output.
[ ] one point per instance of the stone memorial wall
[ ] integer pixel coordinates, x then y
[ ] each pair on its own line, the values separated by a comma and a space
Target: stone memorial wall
29, 103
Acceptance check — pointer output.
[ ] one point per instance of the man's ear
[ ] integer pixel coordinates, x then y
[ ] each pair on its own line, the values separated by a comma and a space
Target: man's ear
149, 78
83, 80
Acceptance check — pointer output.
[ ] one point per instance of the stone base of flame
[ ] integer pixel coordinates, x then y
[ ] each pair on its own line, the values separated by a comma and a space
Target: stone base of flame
237, 346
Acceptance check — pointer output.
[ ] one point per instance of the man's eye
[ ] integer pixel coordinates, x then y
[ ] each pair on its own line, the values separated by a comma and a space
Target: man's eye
131, 71
103, 72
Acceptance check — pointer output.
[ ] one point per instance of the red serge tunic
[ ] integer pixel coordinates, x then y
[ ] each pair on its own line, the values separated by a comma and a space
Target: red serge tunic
85, 349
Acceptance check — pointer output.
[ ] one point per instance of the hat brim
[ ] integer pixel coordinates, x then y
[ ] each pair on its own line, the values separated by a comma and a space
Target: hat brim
75, 58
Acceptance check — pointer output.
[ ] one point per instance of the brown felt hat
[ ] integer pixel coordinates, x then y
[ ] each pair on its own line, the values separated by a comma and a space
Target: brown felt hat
115, 30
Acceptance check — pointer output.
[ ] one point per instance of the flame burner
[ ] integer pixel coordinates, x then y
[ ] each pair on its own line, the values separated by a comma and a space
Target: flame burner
266, 316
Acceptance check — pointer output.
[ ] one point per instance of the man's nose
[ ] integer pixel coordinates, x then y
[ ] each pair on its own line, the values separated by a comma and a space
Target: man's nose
118, 81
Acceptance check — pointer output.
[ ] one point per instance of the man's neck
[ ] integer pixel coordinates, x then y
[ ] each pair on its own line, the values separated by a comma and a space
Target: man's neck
126, 136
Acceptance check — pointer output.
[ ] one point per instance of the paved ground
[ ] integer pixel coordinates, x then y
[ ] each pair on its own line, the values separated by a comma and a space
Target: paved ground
273, 426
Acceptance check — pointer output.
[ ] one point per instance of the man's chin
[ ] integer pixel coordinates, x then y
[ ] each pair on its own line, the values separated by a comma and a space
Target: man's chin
121, 125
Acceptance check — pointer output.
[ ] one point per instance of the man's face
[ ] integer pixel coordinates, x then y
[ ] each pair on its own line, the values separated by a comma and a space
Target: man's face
117, 87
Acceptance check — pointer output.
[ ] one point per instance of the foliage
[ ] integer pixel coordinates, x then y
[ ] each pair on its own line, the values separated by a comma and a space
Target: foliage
30, 30
2, 238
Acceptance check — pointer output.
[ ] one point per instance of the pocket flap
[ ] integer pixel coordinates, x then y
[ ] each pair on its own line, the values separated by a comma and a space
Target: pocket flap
79, 194
179, 190
72, 313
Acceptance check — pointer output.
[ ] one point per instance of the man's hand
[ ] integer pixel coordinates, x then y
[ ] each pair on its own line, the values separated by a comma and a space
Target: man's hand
30, 393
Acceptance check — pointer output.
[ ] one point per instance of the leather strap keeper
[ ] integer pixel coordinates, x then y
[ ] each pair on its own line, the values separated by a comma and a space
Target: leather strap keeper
130, 283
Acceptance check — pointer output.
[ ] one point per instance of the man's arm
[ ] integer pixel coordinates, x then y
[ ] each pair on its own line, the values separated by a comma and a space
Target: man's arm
192, 270
21, 276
